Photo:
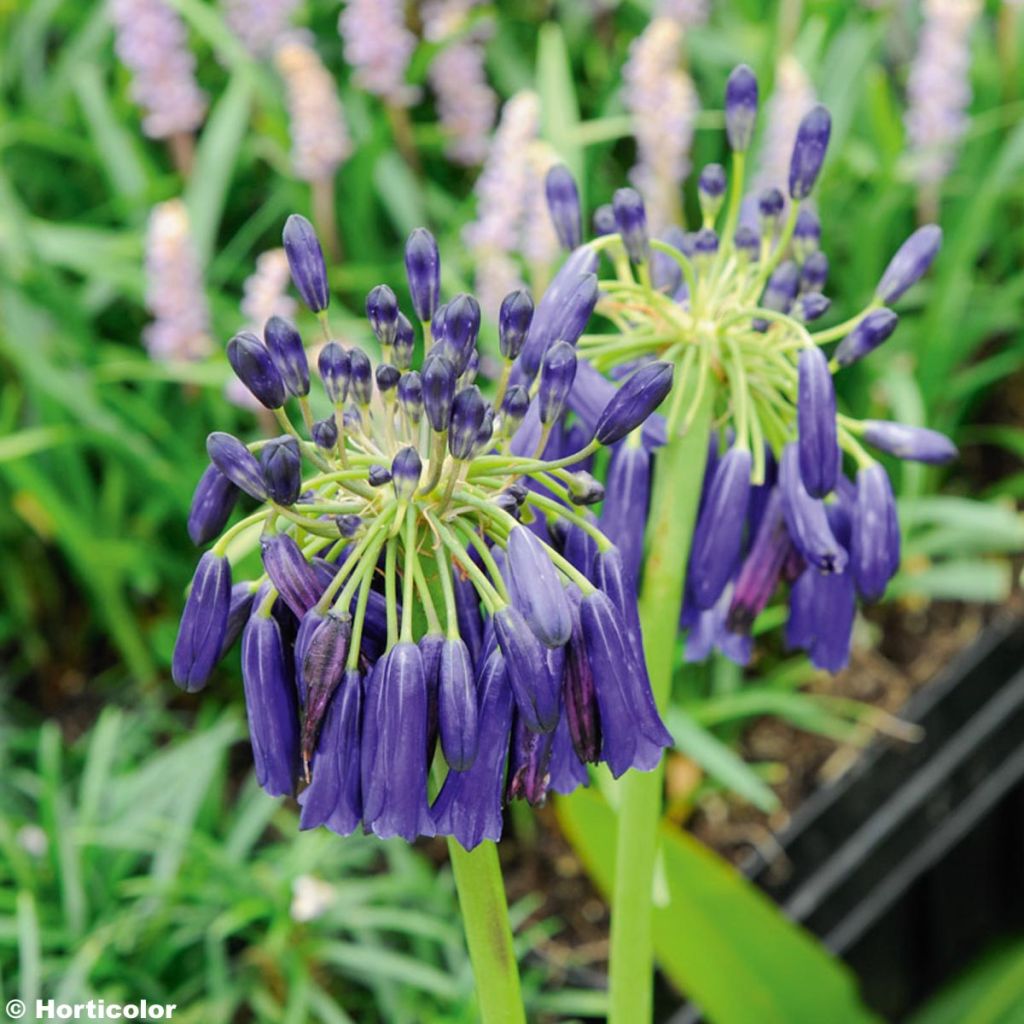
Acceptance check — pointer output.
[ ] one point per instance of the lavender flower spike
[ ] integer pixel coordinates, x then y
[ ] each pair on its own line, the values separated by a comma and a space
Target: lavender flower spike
564, 206
809, 151
816, 424
911, 262
870, 332
719, 532
536, 588
306, 259
642, 393
740, 107
214, 498
632, 731
875, 539
270, 704
203, 623
423, 270
237, 463
917, 444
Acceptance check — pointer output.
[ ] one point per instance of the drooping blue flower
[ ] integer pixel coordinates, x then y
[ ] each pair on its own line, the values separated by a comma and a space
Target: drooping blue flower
875, 542
817, 431
204, 623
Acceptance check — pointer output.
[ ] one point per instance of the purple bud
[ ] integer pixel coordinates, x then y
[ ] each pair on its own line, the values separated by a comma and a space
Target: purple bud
457, 711
410, 396
405, 472
289, 354
769, 204
627, 493
875, 540
719, 532
759, 574
911, 262
323, 666
387, 377
212, 502
204, 623
869, 333
378, 476
816, 423
461, 329
809, 151
437, 324
513, 408
405, 342
631, 220
282, 469
705, 243
917, 444
468, 409
348, 525
806, 233
563, 310
306, 260
740, 107
395, 802
525, 659
564, 206
486, 431
325, 433
514, 320
469, 805
335, 371
806, 518
747, 242
293, 577
810, 306
639, 395
536, 588
711, 190
270, 704
578, 690
821, 614
431, 645
557, 372
255, 368
333, 797
382, 312
237, 463
423, 269
814, 271
360, 377
438, 390
603, 221
242, 596
467, 613
633, 733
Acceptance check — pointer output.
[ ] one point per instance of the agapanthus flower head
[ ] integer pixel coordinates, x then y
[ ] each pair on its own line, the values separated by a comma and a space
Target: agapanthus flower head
726, 316
428, 575
152, 42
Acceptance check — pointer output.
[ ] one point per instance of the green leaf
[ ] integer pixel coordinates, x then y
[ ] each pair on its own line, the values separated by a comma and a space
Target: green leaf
718, 760
717, 937
961, 580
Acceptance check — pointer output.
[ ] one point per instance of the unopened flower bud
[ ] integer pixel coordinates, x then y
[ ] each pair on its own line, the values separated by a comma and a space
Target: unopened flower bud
387, 377
289, 354
214, 498
410, 396
557, 373
382, 312
917, 444
204, 622
255, 368
306, 260
405, 342
911, 262
335, 371
869, 333
423, 269
325, 433
282, 469
237, 463
514, 320
360, 377
438, 390
809, 151
740, 107
640, 394
603, 221
631, 220
406, 467
564, 206
468, 409
711, 190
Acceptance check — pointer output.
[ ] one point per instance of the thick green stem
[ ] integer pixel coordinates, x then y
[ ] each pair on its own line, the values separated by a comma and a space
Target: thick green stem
488, 935
679, 467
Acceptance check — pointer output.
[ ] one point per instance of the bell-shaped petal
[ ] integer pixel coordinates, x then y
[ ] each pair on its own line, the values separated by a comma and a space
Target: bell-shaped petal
817, 432
536, 588
204, 623
457, 710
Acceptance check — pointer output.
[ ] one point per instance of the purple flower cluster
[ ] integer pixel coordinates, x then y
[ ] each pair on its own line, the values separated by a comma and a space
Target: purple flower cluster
435, 591
790, 495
